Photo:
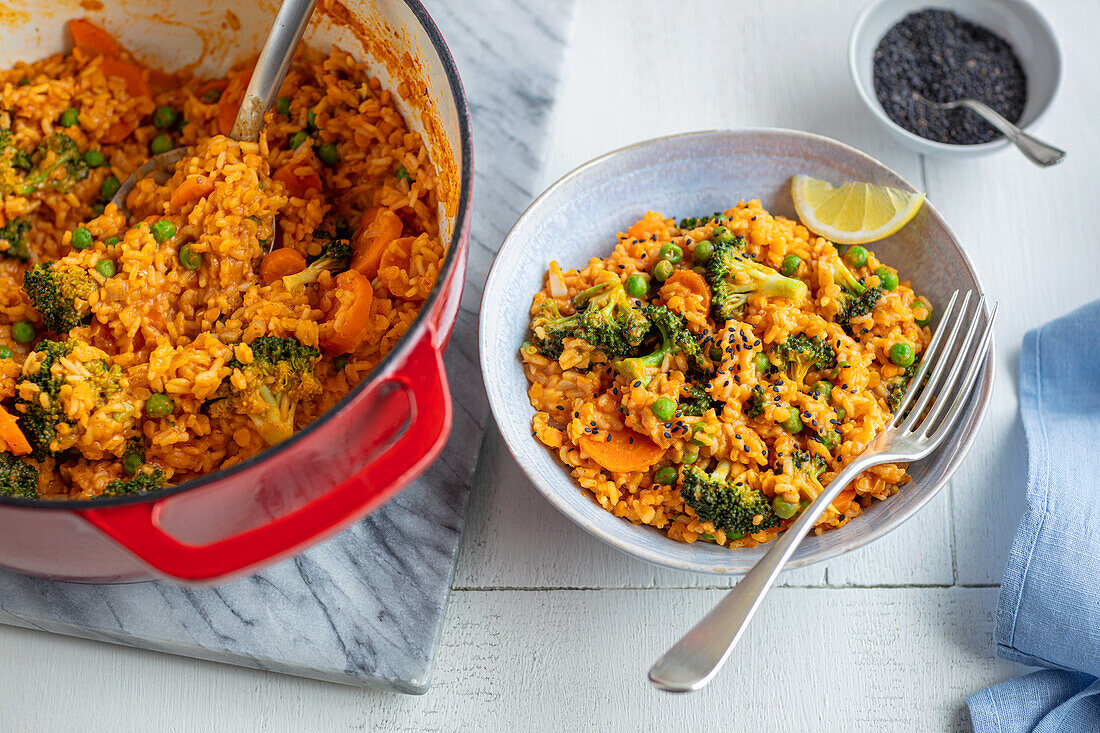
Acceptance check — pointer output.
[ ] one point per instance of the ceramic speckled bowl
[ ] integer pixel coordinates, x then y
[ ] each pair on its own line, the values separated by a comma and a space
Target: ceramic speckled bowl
577, 219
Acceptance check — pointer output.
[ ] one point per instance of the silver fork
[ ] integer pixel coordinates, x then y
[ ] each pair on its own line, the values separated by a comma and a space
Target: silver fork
924, 418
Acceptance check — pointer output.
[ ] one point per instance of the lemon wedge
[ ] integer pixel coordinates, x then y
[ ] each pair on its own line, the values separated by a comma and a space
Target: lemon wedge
853, 212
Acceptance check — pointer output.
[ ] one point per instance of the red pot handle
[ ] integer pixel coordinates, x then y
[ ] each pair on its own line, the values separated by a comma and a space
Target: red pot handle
137, 527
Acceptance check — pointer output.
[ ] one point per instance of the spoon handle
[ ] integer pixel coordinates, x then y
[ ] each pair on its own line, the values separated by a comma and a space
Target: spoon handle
1037, 151
290, 23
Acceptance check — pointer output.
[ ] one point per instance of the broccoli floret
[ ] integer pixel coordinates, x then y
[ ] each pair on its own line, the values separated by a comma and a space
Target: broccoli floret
60, 296
44, 407
729, 505
335, 257
39, 407
733, 278
143, 481
333, 227
897, 387
803, 353
698, 401
694, 222
13, 238
17, 477
804, 470
675, 337
856, 307
58, 152
858, 299
279, 376
754, 406
608, 321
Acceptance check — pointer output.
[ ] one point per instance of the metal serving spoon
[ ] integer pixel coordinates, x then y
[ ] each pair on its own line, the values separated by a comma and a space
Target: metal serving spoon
1038, 152
290, 23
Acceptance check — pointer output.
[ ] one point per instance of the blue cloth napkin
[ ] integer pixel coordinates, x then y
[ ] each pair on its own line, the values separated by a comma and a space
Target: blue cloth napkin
1048, 614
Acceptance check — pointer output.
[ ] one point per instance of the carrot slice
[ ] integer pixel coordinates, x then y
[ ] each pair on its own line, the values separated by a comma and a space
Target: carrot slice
622, 451
87, 36
298, 178
688, 280
132, 74
650, 224
843, 498
193, 188
351, 318
12, 436
377, 228
231, 100
280, 262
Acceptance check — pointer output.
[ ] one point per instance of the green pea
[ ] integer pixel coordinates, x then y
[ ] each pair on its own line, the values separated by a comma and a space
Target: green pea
760, 361
5, 352
297, 139
721, 235
888, 279
163, 230
282, 105
784, 509
106, 268
716, 353
68, 117
662, 271
328, 154
131, 462
841, 413
82, 238
671, 252
164, 117
403, 174
703, 251
666, 475
189, 258
23, 332
95, 158
311, 119
902, 354
664, 409
340, 362
160, 144
111, 241
159, 405
637, 286
922, 313
856, 256
793, 423
825, 389
109, 188
98, 208
691, 455
791, 263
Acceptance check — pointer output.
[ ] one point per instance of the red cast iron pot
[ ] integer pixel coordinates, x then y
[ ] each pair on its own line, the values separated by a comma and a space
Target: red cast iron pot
360, 453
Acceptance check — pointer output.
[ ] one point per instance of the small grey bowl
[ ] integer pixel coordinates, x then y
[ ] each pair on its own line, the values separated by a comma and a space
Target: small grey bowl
1016, 21
699, 173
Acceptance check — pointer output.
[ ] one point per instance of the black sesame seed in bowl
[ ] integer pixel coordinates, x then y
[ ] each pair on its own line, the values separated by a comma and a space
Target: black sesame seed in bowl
1002, 53
940, 56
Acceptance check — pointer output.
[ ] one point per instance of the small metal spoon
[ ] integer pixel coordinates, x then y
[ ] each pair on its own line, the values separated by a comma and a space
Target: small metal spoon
290, 23
1038, 152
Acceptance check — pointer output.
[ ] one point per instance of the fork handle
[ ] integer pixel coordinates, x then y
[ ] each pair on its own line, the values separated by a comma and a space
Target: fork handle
1038, 152
698, 656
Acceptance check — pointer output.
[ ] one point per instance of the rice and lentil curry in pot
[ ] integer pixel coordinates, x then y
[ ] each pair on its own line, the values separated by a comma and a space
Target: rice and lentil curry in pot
241, 300
710, 376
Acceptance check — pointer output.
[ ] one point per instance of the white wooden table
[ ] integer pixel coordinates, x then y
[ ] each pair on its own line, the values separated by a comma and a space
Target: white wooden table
550, 630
